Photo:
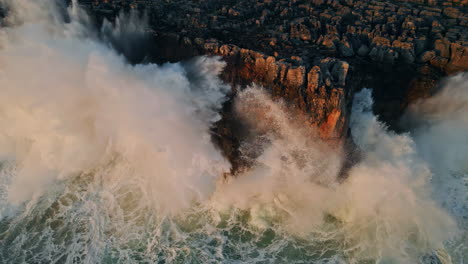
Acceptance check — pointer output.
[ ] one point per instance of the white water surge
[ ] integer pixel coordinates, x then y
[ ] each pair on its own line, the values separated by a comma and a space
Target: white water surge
105, 162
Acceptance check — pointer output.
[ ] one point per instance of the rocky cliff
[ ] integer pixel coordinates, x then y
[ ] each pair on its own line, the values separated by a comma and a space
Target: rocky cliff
313, 53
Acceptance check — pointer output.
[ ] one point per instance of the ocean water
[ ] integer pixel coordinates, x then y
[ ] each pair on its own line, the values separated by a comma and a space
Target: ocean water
106, 162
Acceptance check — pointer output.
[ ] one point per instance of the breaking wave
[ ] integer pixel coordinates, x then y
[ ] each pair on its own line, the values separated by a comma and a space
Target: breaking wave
102, 161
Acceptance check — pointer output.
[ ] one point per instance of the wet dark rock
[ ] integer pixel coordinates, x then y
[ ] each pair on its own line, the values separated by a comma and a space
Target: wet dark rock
363, 51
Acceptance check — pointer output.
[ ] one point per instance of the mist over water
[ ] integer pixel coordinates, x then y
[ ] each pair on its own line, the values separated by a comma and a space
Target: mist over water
105, 162
439, 126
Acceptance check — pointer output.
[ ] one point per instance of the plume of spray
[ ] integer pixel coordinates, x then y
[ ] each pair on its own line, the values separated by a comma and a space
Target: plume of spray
439, 126
128, 35
42, 11
383, 211
390, 190
442, 120
72, 104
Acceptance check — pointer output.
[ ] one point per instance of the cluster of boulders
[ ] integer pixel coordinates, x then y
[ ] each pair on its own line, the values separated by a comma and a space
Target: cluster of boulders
433, 32
382, 31
386, 31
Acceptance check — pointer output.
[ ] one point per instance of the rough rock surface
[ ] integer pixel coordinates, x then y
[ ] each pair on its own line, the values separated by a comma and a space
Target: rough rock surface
314, 53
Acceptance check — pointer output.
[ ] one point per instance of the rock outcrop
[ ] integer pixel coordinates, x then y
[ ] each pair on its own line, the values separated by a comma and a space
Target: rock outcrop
315, 53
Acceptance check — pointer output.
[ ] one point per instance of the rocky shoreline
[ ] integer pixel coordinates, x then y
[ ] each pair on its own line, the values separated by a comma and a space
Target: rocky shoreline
313, 54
